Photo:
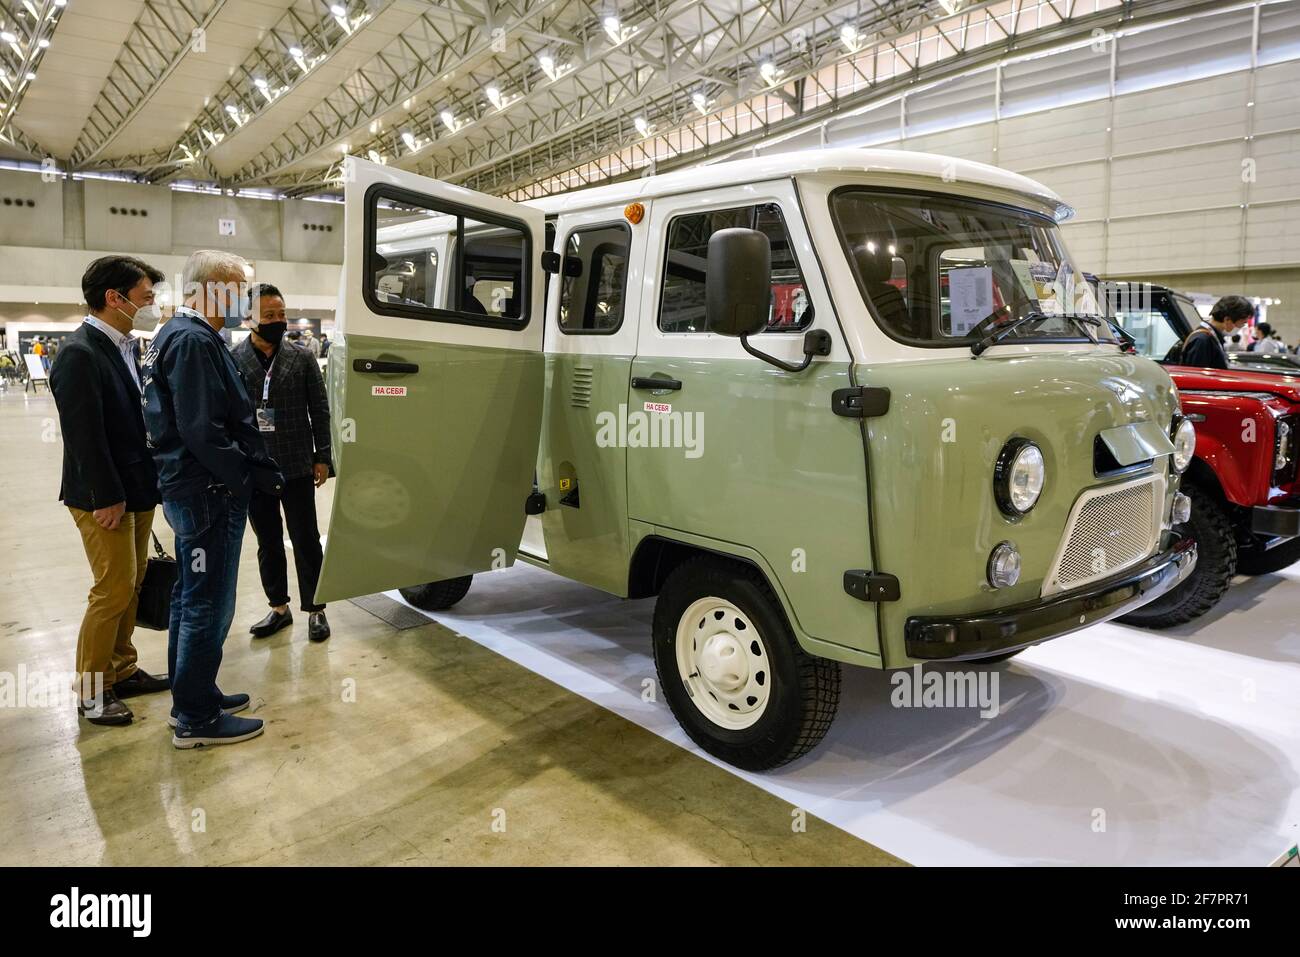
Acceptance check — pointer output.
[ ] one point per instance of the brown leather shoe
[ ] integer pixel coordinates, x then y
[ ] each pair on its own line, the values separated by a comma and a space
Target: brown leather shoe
141, 682
107, 710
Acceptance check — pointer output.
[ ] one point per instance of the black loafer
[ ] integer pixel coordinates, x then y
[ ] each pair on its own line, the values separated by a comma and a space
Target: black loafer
105, 710
272, 623
141, 682
318, 629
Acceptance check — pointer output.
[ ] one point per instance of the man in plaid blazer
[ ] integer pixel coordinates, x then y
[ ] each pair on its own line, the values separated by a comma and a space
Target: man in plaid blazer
288, 393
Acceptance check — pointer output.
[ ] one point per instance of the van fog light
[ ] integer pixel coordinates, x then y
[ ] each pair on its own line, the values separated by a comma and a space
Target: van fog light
1004, 566
1181, 510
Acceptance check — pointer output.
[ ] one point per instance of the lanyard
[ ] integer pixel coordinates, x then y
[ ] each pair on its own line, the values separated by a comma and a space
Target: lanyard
266, 383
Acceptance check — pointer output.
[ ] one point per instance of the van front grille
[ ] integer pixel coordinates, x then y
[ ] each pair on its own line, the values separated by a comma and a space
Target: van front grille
1109, 530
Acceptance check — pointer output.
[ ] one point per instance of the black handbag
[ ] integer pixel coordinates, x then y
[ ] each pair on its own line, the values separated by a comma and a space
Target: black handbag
155, 607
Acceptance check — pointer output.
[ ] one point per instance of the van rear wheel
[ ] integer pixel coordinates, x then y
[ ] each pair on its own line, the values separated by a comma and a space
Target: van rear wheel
731, 670
1216, 563
436, 596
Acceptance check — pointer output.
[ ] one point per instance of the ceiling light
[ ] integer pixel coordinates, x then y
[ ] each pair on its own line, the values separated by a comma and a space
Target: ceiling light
338, 10
614, 29
642, 126
344, 147
448, 120
232, 109
546, 62
295, 52
701, 102
494, 96
8, 37
30, 77
375, 157
850, 37
43, 43
260, 83
769, 72
409, 139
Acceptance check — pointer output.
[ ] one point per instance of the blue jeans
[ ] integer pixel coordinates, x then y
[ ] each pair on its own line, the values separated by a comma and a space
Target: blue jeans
209, 531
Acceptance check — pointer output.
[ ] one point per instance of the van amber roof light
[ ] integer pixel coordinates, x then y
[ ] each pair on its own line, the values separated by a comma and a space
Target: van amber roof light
634, 212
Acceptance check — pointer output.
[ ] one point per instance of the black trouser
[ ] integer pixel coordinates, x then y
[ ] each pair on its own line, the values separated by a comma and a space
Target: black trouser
299, 502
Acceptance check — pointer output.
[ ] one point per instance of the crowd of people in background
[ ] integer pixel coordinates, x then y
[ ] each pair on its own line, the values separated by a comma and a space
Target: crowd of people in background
217, 437
1263, 338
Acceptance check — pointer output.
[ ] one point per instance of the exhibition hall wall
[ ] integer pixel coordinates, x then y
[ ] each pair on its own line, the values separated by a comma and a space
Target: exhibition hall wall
50, 231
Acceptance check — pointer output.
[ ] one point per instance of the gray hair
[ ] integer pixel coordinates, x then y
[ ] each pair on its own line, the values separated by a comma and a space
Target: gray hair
207, 265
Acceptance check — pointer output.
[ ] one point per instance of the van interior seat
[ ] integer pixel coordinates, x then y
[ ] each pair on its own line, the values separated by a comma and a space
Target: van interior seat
876, 269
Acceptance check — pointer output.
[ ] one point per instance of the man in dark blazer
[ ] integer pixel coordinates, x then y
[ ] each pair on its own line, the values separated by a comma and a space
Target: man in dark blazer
110, 484
284, 382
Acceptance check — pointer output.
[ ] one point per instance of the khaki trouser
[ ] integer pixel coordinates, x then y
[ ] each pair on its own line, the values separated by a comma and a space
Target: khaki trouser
117, 560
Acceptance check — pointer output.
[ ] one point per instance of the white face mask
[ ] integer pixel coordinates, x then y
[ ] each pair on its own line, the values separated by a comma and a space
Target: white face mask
146, 318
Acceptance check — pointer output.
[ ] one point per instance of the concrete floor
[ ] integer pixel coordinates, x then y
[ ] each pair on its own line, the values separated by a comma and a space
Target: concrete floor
449, 754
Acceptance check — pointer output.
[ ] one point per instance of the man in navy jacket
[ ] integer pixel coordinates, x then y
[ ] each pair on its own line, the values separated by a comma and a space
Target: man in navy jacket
210, 457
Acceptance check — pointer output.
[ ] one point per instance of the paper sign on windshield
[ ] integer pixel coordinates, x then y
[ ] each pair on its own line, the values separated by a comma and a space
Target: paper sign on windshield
970, 296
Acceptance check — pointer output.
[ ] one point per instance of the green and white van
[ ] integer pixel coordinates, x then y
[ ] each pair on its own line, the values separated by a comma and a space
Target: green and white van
832, 407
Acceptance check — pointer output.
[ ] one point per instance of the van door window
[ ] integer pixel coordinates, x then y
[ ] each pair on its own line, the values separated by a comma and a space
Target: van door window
594, 279
483, 263
681, 305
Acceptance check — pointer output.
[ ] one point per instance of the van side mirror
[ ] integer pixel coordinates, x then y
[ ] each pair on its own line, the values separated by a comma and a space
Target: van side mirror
738, 294
738, 282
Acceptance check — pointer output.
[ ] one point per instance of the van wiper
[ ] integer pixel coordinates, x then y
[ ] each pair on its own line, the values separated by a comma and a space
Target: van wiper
1001, 332
1086, 324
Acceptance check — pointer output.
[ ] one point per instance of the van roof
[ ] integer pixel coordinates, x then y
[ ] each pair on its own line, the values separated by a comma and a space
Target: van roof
944, 169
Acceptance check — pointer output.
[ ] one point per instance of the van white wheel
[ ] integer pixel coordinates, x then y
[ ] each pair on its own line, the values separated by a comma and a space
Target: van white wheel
722, 661
731, 670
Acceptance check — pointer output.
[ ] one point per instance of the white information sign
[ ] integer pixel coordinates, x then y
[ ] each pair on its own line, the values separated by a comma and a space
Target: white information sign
970, 295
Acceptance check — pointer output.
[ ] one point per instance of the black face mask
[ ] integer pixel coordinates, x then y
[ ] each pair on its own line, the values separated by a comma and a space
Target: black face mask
272, 332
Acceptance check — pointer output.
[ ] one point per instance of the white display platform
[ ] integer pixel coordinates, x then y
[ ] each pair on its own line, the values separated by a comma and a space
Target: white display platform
1187, 741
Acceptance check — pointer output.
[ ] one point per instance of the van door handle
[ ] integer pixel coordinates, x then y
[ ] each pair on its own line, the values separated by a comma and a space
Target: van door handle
655, 383
383, 365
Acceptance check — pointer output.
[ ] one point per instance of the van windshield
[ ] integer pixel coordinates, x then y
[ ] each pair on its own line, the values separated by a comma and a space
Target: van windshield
946, 271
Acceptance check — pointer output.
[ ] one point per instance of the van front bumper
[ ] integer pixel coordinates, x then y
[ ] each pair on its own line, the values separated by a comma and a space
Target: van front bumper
956, 638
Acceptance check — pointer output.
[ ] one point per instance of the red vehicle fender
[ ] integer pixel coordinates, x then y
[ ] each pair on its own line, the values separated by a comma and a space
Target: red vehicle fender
1235, 437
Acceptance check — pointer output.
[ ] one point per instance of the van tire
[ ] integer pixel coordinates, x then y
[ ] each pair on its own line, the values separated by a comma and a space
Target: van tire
1216, 563
437, 596
1256, 561
803, 691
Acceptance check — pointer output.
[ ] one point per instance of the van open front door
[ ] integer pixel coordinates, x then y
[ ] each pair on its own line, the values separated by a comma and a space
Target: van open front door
435, 382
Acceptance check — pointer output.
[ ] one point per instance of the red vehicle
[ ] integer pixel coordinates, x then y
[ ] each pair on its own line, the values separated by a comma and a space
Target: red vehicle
1243, 484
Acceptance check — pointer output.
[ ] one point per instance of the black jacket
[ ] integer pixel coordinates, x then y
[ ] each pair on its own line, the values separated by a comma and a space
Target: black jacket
200, 422
297, 397
105, 458
1203, 348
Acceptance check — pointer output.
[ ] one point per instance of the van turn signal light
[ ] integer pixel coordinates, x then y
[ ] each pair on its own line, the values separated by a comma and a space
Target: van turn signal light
634, 212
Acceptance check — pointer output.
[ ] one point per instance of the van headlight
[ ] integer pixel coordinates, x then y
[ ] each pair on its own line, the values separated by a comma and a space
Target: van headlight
1184, 443
1018, 477
1282, 453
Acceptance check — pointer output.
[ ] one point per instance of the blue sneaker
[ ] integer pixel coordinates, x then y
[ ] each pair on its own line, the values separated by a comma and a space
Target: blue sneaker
223, 729
230, 704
